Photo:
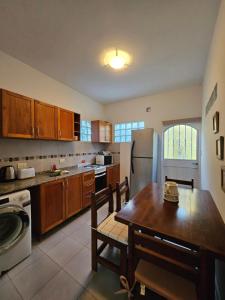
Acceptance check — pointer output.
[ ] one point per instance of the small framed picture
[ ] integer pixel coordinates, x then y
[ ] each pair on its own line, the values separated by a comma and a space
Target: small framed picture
216, 120
220, 148
223, 178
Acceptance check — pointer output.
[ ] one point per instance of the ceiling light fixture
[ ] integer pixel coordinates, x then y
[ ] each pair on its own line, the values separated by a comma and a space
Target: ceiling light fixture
117, 59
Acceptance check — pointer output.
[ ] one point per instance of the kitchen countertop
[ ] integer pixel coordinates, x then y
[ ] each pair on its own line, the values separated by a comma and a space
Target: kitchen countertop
40, 178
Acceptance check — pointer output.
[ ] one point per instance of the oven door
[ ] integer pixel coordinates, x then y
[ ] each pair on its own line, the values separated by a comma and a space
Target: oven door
14, 222
100, 181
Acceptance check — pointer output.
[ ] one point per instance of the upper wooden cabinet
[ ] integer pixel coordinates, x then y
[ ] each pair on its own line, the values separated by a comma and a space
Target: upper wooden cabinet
23, 117
65, 125
101, 131
16, 115
45, 121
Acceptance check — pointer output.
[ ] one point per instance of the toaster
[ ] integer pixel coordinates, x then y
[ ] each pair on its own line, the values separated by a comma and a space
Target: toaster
24, 173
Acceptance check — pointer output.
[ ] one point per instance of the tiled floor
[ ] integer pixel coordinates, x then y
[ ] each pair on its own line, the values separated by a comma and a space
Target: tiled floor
60, 268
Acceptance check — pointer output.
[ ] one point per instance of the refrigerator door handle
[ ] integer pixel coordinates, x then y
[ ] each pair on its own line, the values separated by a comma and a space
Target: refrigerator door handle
132, 150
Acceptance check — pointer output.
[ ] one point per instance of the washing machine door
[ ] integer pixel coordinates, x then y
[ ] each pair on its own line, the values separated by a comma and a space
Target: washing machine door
14, 222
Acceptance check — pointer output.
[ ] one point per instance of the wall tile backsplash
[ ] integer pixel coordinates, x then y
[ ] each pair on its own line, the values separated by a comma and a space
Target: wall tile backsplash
43, 154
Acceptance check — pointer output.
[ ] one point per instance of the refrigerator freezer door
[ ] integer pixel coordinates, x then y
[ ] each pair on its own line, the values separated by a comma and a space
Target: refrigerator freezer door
140, 175
142, 141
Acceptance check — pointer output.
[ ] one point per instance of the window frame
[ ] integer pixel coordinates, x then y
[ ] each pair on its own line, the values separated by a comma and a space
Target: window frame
197, 143
86, 134
125, 129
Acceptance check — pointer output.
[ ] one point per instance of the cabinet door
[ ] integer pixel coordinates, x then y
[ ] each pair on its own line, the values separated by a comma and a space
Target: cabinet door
102, 132
45, 121
110, 177
108, 132
52, 204
88, 180
66, 125
116, 174
73, 195
18, 113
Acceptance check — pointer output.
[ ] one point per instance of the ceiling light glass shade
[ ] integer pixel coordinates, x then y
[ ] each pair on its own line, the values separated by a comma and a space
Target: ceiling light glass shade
117, 59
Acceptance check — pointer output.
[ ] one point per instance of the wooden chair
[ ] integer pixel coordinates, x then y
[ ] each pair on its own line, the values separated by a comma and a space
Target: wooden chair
165, 268
109, 231
122, 189
183, 182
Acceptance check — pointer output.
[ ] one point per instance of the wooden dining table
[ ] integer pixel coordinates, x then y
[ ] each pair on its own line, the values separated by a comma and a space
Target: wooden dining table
194, 222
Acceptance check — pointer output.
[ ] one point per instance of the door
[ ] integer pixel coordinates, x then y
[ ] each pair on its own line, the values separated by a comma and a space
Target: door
65, 124
142, 143
181, 152
14, 222
108, 132
45, 121
52, 202
18, 112
73, 195
140, 174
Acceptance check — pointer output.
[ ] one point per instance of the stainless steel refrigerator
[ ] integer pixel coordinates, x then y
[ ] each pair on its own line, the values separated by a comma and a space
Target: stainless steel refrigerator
143, 159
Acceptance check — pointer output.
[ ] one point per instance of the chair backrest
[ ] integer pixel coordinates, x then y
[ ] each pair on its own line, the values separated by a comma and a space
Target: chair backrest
183, 182
144, 244
98, 200
121, 189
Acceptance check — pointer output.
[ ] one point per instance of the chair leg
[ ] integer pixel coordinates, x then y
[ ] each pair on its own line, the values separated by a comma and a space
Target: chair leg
94, 244
123, 261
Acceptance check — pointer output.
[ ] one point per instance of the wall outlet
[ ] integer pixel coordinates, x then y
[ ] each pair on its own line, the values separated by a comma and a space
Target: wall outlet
62, 160
22, 165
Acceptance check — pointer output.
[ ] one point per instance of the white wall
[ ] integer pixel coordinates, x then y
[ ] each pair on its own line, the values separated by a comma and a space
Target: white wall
177, 104
215, 73
21, 78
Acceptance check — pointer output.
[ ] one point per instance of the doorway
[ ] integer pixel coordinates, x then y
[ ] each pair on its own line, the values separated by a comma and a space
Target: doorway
181, 152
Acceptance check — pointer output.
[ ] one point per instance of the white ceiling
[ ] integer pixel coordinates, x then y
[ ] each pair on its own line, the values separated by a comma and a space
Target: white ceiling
168, 40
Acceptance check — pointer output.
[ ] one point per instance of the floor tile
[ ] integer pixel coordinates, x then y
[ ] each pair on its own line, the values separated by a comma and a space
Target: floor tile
69, 228
64, 251
8, 291
61, 287
35, 255
35, 276
82, 234
51, 241
86, 295
80, 267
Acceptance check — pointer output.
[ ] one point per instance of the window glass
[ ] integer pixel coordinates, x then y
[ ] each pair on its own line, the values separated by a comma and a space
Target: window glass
85, 131
122, 132
180, 142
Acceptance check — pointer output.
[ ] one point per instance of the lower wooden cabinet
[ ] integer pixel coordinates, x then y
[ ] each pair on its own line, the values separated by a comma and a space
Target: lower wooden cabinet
88, 183
73, 195
113, 175
52, 204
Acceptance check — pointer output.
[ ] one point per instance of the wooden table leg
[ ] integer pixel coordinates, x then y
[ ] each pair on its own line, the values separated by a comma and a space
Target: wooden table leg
207, 278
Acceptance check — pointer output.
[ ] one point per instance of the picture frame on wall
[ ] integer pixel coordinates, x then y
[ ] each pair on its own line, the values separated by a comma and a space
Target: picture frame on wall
220, 148
223, 178
216, 122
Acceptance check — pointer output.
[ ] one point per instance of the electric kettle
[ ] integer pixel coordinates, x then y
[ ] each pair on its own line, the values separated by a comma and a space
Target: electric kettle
7, 173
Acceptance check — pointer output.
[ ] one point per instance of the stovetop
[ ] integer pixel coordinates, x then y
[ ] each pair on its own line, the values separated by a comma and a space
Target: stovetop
97, 168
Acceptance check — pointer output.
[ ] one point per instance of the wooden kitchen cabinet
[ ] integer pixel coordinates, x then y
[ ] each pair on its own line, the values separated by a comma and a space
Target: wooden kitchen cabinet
52, 204
65, 125
73, 195
46, 126
88, 183
101, 131
113, 175
16, 115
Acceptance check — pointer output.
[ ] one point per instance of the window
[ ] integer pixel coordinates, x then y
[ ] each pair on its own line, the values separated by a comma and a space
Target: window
123, 130
85, 131
180, 142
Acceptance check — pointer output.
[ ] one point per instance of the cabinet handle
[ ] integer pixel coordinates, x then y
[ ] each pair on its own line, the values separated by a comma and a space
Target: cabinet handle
32, 128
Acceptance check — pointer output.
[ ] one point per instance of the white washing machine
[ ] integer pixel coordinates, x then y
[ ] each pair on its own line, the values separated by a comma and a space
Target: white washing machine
15, 229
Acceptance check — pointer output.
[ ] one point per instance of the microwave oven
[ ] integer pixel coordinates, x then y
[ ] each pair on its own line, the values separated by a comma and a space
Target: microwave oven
104, 159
